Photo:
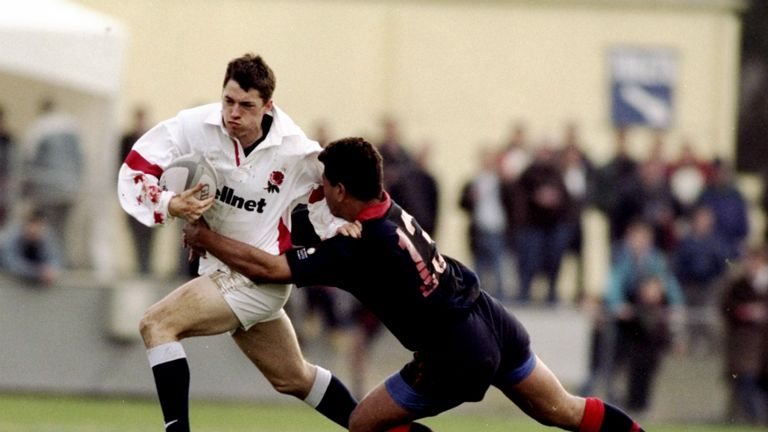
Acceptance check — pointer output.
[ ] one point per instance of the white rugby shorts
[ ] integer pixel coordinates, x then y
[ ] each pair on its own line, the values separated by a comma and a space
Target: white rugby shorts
251, 303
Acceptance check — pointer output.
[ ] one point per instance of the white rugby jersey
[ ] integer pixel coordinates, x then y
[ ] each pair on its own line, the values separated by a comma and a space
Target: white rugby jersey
256, 192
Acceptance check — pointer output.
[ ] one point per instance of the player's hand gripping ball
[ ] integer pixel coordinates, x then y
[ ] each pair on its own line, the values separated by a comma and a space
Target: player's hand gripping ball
186, 172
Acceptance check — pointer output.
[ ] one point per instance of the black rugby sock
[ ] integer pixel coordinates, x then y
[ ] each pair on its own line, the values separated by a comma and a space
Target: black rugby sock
603, 417
337, 403
617, 420
172, 382
331, 398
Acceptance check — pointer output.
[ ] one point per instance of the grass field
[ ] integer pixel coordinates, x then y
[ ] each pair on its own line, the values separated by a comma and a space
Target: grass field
71, 414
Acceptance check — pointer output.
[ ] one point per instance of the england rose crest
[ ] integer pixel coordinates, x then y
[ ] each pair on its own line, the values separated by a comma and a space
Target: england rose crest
274, 182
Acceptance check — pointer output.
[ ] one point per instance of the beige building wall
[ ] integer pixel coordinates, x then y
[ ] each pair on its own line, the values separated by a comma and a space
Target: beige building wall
455, 73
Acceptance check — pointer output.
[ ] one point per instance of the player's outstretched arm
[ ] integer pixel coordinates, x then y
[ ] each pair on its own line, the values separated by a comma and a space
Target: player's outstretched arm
247, 260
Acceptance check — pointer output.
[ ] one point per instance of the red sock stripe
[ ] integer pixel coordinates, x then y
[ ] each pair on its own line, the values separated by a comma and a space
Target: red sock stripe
594, 411
401, 428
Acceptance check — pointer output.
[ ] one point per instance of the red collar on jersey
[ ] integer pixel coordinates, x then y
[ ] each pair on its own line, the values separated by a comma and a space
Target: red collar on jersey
375, 211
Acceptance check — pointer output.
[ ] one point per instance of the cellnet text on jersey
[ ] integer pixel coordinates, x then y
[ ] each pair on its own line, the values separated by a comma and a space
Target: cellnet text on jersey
227, 196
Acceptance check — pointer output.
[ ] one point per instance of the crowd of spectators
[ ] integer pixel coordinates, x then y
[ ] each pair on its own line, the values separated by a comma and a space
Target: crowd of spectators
40, 182
691, 204
678, 230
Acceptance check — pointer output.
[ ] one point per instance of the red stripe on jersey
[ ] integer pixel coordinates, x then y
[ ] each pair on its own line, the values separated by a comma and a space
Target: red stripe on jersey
283, 237
316, 195
237, 153
136, 162
375, 211
594, 411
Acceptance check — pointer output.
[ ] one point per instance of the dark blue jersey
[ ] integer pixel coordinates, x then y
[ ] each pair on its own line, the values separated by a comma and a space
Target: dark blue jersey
395, 270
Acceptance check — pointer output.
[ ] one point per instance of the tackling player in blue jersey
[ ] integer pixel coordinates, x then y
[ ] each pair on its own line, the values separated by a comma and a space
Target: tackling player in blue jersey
463, 340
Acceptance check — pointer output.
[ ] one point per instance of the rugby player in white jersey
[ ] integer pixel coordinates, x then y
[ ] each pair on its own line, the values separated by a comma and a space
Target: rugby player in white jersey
265, 165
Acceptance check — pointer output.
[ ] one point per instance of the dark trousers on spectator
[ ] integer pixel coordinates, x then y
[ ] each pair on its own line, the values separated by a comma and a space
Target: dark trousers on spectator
540, 249
641, 356
488, 252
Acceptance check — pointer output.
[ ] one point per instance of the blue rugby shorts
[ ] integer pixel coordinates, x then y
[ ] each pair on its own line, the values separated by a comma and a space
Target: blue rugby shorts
490, 347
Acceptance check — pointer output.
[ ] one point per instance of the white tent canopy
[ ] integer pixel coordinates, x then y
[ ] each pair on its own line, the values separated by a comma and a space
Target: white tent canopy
60, 49
61, 42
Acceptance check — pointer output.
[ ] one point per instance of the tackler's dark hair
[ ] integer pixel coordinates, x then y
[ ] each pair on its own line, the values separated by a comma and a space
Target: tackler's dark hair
355, 163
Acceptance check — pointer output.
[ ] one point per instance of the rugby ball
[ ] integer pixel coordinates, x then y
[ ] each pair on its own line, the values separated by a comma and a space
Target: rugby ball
187, 171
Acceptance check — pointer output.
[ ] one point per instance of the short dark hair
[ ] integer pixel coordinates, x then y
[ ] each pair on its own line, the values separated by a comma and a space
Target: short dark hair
251, 72
356, 164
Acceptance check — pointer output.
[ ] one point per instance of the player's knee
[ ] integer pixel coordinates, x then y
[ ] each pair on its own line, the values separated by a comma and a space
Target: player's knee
151, 327
146, 324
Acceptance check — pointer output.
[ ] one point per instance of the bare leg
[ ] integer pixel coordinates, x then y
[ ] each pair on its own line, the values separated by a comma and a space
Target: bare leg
196, 308
543, 398
378, 412
273, 347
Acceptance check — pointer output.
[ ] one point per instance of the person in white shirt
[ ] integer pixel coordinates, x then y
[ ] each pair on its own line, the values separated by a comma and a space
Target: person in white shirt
265, 165
481, 197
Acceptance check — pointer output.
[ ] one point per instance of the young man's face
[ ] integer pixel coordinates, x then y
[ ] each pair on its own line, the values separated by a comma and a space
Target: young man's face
242, 112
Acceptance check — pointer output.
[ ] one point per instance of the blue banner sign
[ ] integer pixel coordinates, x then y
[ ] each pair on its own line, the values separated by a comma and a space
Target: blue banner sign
642, 86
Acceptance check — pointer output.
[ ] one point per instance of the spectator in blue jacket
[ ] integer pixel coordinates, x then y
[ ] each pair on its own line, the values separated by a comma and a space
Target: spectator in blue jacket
645, 306
729, 207
699, 262
638, 258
